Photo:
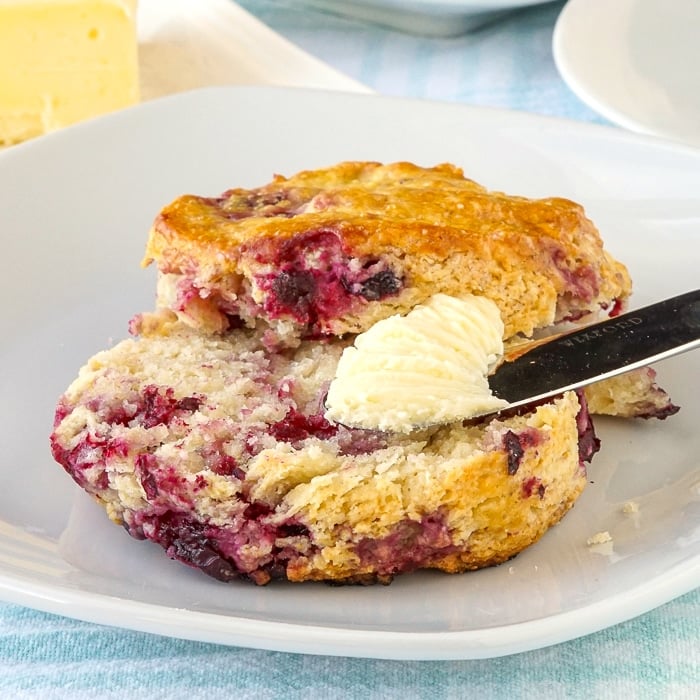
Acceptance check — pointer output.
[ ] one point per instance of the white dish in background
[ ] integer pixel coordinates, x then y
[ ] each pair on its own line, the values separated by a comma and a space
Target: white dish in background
76, 207
429, 17
636, 62
189, 44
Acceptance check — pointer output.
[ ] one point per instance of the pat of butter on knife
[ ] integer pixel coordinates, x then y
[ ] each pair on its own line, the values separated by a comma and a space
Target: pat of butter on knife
430, 366
62, 61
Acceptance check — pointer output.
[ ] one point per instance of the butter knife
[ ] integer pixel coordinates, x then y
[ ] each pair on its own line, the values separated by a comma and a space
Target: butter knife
600, 351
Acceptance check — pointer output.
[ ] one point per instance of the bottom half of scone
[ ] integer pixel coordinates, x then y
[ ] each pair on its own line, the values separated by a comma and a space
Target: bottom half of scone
220, 453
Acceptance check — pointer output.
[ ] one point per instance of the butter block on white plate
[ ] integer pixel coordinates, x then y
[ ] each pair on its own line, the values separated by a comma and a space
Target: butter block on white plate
62, 61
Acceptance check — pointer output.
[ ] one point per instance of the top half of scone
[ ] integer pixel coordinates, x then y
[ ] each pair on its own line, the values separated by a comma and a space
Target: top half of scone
331, 251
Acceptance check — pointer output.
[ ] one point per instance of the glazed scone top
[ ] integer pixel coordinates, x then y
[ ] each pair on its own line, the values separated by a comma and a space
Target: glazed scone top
437, 231
429, 211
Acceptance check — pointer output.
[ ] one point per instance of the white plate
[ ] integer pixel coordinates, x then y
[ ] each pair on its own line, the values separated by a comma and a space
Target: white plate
429, 17
76, 207
189, 44
636, 62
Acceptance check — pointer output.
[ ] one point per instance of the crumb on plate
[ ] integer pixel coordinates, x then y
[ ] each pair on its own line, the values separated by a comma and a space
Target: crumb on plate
599, 538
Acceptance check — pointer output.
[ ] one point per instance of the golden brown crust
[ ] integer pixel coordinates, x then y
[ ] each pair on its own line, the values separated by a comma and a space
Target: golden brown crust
420, 211
538, 259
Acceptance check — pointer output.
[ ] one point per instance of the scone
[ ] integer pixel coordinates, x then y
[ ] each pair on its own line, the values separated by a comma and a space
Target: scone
217, 449
634, 394
209, 435
331, 251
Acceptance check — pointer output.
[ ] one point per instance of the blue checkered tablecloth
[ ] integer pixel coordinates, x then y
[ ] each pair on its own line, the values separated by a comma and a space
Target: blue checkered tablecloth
507, 63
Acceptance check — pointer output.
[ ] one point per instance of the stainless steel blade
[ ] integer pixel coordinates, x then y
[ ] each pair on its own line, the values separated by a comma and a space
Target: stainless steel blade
601, 350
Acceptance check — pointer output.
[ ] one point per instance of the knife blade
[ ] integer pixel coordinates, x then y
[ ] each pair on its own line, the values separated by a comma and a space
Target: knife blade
601, 350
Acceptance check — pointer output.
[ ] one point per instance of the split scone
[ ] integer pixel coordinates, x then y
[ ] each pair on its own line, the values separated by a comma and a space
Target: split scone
329, 252
219, 451
210, 433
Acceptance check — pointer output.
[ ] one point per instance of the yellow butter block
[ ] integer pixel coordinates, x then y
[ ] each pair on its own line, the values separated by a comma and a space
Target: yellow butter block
62, 61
